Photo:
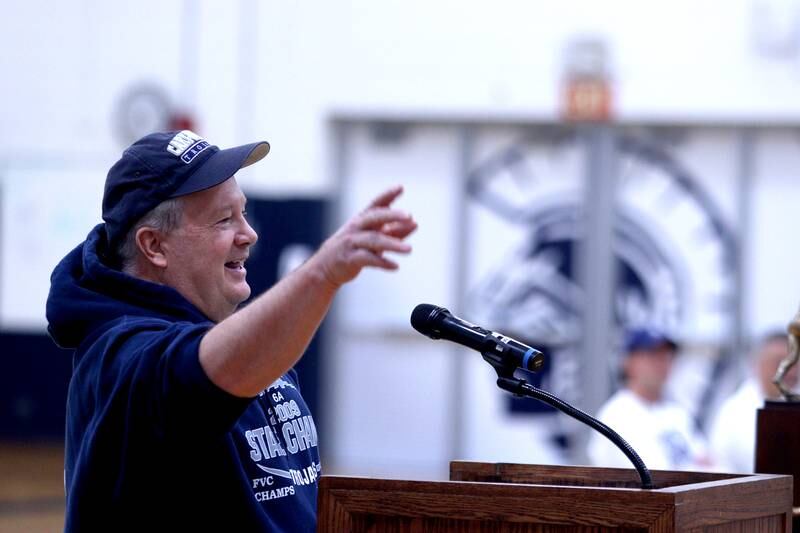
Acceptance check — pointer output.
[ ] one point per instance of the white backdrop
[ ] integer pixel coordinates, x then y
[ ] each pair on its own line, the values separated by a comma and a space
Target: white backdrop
376, 340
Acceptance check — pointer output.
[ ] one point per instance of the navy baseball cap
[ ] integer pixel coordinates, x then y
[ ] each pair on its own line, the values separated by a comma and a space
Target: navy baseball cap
167, 165
647, 339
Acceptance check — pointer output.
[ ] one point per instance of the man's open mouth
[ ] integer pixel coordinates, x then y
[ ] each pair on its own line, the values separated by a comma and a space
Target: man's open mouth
235, 265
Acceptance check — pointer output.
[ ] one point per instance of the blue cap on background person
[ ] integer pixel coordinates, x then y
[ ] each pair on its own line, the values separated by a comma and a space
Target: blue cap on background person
167, 165
647, 338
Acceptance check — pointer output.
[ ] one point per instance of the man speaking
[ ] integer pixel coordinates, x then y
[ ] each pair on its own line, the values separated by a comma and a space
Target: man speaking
183, 413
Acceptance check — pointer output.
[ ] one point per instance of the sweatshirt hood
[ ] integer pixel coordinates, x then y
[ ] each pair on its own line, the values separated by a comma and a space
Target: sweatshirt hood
86, 294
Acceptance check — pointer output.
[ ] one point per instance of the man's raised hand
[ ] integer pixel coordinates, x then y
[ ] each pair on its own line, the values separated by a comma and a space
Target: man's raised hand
362, 241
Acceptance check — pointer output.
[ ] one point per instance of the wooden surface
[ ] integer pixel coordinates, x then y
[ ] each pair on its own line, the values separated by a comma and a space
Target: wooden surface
31, 488
574, 476
528, 498
360, 504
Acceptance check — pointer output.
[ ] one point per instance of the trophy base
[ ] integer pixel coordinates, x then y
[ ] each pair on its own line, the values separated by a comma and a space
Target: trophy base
778, 444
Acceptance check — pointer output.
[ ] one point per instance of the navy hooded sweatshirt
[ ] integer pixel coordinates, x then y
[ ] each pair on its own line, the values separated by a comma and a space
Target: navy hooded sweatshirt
151, 443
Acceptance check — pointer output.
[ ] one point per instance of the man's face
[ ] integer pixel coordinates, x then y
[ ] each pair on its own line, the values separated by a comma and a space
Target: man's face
649, 369
206, 253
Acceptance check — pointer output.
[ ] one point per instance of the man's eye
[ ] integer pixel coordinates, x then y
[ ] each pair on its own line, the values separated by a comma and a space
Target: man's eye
226, 219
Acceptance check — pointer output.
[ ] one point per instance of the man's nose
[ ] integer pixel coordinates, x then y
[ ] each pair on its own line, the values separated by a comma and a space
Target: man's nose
247, 236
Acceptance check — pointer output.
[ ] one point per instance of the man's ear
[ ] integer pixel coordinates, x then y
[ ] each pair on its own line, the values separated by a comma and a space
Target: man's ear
150, 244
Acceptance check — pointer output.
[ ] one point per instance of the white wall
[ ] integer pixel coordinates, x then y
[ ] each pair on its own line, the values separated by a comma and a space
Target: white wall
277, 70
772, 261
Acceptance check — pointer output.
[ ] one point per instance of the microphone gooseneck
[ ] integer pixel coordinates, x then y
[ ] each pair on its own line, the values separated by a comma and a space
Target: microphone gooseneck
521, 388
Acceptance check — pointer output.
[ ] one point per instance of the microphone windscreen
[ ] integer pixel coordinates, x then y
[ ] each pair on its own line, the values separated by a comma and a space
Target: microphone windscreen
422, 317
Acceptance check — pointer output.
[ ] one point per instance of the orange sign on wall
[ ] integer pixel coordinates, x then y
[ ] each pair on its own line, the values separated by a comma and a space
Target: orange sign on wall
586, 93
587, 100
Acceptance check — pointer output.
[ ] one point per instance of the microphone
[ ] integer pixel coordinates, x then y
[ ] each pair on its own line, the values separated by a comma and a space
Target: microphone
439, 323
506, 355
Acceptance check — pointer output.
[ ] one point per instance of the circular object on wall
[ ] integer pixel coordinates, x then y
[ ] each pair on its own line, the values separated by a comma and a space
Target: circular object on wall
141, 109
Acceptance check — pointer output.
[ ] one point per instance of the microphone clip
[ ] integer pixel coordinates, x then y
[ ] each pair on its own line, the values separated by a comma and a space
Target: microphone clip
502, 365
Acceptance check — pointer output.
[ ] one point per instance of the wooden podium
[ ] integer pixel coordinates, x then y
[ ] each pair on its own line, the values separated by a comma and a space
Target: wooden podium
486, 497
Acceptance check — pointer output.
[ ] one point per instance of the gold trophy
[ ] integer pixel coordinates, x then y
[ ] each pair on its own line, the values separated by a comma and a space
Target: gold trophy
793, 331
778, 425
